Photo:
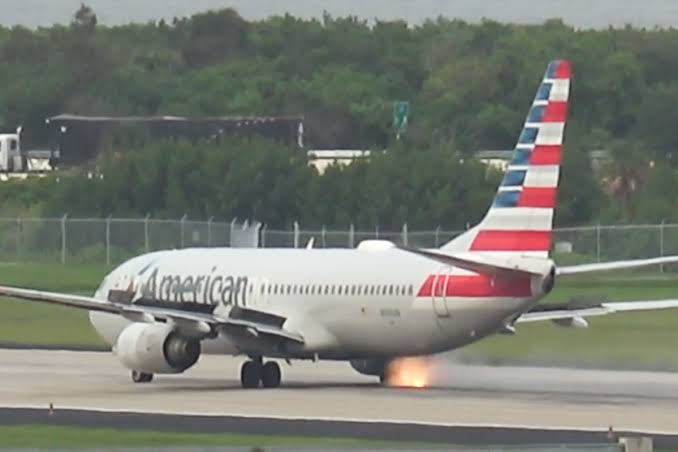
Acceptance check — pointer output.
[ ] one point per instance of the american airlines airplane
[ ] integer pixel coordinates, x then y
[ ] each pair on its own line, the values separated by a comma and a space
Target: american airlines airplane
370, 305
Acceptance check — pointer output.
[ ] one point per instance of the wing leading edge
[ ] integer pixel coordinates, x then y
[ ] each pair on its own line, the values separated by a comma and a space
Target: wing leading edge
195, 322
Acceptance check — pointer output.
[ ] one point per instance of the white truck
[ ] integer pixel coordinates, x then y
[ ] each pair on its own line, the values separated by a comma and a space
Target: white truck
13, 160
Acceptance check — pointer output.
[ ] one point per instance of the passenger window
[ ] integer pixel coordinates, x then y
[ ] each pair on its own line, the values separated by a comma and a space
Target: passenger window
410, 290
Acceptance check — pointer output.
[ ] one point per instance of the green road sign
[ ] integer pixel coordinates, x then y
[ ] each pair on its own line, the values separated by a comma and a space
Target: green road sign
401, 112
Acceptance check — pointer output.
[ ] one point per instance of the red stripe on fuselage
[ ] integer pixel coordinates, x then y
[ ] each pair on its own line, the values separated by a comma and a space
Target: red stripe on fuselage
499, 240
555, 112
537, 197
545, 155
475, 286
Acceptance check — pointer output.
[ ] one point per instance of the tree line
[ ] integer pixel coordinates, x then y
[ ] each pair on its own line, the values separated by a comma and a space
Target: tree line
469, 87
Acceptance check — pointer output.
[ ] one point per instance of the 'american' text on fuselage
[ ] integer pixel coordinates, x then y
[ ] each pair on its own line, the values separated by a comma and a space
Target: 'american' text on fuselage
207, 289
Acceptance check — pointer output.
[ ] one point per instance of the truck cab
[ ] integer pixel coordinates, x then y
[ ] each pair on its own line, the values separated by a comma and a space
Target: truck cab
10, 153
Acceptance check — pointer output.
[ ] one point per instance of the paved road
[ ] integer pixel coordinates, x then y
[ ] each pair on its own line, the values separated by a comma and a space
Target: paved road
461, 395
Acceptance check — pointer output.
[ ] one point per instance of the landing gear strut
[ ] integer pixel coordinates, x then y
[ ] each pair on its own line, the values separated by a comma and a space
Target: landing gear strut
254, 372
141, 377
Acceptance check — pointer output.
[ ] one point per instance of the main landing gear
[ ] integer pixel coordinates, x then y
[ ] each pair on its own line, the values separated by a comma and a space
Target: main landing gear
141, 377
254, 372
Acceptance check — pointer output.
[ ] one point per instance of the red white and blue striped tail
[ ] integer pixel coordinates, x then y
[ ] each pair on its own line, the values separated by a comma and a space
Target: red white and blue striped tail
520, 219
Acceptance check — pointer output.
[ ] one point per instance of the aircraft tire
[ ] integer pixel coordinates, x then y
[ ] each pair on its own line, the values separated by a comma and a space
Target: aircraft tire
141, 377
271, 375
250, 374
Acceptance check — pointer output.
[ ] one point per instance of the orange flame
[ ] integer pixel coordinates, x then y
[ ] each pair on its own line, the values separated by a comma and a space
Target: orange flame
408, 373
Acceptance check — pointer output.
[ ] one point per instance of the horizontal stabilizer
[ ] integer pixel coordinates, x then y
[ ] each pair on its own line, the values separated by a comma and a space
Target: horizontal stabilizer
483, 263
617, 265
595, 311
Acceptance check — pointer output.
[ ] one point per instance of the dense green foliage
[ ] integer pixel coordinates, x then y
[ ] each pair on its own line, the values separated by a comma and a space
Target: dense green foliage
469, 86
263, 180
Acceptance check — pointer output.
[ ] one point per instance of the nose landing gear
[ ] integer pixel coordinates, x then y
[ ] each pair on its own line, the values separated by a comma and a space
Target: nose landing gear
255, 372
141, 377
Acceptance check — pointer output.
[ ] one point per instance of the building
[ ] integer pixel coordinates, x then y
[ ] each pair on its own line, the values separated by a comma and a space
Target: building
81, 138
320, 159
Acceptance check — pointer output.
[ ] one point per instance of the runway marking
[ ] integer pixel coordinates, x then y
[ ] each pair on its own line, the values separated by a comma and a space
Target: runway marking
335, 419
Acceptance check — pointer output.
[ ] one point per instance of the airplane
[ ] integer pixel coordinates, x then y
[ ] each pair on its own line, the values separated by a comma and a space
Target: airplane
370, 305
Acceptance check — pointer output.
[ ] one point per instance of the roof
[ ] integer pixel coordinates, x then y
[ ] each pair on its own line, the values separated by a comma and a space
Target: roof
494, 154
230, 120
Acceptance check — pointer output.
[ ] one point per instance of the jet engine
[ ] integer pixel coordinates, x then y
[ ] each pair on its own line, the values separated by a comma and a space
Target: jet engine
370, 366
156, 348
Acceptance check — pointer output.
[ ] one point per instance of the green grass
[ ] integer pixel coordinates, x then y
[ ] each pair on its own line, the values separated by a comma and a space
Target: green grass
40, 436
24, 322
642, 340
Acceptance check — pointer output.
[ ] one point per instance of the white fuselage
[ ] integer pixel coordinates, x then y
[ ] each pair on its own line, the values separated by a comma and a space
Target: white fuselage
345, 303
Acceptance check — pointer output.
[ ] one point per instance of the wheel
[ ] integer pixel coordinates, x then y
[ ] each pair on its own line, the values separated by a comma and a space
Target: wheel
250, 374
141, 377
270, 377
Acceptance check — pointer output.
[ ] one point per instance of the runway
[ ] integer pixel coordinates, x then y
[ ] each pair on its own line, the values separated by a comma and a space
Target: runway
461, 395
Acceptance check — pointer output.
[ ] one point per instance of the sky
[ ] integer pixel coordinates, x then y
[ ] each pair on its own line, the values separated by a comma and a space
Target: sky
579, 13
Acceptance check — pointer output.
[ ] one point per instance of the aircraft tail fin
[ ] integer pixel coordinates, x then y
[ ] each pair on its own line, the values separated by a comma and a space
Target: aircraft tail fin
520, 219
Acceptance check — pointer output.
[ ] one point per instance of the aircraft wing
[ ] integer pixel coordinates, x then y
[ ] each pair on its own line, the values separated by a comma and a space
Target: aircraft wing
617, 265
576, 316
255, 324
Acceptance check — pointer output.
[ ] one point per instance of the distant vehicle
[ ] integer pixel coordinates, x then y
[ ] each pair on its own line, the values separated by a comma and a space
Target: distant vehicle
17, 161
370, 305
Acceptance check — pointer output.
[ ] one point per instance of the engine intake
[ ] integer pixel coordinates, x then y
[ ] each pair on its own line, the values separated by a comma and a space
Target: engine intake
156, 348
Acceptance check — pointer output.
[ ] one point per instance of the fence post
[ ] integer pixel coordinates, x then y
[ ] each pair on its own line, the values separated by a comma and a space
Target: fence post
209, 231
323, 236
598, 242
661, 245
19, 230
376, 232
263, 236
147, 245
63, 238
257, 235
351, 236
182, 224
108, 240
232, 229
405, 234
296, 234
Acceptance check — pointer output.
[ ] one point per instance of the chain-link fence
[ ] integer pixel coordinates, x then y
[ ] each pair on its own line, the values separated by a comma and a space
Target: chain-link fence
113, 240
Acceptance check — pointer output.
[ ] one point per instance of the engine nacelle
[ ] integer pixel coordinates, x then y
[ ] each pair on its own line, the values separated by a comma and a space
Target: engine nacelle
370, 366
156, 348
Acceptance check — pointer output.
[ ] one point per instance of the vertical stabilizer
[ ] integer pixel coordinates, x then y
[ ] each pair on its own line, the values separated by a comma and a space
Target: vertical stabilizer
520, 219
